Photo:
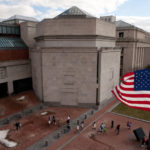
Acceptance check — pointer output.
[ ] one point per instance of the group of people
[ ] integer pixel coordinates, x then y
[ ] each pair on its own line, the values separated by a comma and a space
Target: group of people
102, 127
51, 121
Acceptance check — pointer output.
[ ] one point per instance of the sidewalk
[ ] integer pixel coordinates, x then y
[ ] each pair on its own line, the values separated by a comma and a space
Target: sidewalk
109, 141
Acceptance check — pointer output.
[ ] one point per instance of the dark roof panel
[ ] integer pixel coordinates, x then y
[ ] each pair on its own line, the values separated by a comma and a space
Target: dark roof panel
12, 43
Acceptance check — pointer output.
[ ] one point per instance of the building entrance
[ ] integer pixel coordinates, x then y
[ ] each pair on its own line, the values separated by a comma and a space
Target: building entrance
22, 85
3, 89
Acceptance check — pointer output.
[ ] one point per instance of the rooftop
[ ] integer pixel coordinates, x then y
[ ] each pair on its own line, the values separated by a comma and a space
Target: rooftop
19, 17
121, 23
75, 12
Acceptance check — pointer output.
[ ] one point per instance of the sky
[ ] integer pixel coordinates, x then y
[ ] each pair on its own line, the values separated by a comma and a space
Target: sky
135, 12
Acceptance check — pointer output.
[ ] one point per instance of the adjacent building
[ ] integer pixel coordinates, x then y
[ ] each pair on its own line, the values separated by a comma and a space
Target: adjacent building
15, 69
135, 47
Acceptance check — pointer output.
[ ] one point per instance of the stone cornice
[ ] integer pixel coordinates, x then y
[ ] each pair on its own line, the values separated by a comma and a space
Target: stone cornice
55, 37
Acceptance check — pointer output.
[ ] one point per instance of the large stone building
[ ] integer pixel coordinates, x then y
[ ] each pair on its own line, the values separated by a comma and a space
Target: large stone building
74, 60
135, 45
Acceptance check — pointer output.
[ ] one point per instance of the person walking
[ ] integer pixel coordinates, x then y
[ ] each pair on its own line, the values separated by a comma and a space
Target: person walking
99, 130
78, 128
53, 120
118, 129
49, 120
129, 124
112, 124
18, 125
68, 122
82, 124
102, 126
94, 125
68, 118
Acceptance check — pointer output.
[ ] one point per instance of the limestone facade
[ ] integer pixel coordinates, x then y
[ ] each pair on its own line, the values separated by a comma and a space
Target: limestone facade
74, 61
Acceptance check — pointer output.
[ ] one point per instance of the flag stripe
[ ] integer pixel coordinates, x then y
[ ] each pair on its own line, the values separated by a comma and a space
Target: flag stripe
136, 95
134, 100
140, 106
127, 86
128, 76
128, 82
133, 92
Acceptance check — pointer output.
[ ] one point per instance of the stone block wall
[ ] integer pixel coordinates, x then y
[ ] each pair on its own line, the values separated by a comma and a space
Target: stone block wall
69, 76
109, 72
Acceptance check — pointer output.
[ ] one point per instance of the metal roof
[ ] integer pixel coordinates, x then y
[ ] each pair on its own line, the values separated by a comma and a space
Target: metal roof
74, 12
121, 23
19, 17
12, 43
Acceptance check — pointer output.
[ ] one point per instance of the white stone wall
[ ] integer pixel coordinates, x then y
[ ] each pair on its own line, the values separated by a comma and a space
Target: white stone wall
28, 32
105, 28
37, 73
66, 27
109, 72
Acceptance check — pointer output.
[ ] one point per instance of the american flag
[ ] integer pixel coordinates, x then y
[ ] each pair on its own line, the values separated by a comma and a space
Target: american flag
134, 90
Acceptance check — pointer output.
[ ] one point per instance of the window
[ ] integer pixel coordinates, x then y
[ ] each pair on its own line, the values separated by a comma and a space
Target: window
121, 34
121, 61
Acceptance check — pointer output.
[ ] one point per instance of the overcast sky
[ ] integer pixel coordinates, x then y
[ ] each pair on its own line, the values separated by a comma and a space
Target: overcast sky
136, 12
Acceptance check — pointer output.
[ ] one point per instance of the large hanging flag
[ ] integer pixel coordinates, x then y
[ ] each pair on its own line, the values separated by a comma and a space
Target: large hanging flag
134, 90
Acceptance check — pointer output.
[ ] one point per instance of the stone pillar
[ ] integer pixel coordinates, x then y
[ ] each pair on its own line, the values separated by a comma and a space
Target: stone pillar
10, 87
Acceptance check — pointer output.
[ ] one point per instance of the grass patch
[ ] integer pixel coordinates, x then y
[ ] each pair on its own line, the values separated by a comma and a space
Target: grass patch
137, 113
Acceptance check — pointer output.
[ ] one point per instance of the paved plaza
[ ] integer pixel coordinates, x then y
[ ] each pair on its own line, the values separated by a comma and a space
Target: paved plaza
10, 105
35, 127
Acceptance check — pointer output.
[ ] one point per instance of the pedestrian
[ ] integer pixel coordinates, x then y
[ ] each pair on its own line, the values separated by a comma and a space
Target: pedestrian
68, 118
118, 129
18, 125
129, 124
94, 125
78, 128
53, 120
68, 125
99, 130
82, 124
49, 120
105, 130
102, 126
112, 124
